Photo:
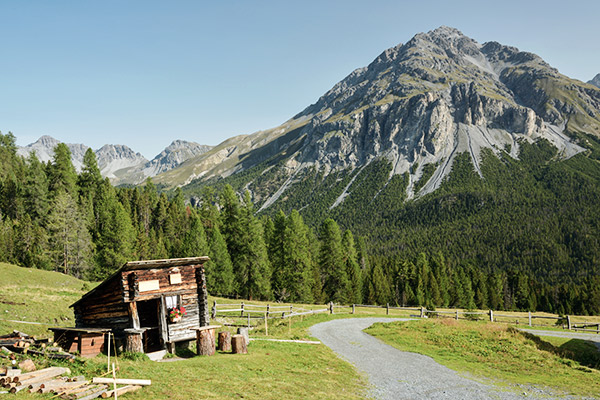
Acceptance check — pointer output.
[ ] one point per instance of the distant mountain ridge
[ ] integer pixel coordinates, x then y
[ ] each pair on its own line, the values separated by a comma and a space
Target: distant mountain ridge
118, 162
595, 81
418, 105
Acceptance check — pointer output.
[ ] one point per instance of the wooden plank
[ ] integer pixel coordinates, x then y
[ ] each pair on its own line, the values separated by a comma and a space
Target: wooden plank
121, 381
120, 391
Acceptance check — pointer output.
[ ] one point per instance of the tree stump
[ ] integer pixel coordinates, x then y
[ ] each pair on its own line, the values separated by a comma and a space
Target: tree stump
133, 341
225, 341
244, 333
205, 342
238, 345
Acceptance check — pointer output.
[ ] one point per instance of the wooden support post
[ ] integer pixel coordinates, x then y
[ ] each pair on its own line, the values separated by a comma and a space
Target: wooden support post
290, 324
248, 321
291, 309
457, 315
387, 308
331, 307
422, 312
491, 316
238, 345
353, 308
266, 324
225, 341
214, 310
242, 307
569, 322
529, 315
268, 310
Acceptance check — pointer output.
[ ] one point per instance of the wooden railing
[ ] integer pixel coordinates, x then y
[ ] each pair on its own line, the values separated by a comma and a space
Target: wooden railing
250, 311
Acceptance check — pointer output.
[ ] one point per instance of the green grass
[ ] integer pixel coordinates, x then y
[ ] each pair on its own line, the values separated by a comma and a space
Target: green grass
271, 370
33, 295
499, 352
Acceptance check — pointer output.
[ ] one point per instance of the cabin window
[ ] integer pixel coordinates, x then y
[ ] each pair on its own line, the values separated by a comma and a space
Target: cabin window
172, 302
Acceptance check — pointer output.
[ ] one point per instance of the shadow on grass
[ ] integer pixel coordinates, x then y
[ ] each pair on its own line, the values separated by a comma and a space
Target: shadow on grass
581, 351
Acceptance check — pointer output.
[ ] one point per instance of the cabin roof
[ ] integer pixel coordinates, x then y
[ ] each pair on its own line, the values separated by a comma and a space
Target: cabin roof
145, 264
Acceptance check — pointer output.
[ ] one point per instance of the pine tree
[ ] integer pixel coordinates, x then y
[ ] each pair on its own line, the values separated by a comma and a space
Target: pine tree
379, 289
70, 242
352, 268
35, 190
219, 270
63, 176
331, 260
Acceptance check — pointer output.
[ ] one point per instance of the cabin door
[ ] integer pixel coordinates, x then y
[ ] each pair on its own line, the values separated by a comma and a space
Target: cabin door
149, 312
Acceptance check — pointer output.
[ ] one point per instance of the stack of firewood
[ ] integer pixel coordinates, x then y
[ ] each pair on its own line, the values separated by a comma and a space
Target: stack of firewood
51, 380
19, 342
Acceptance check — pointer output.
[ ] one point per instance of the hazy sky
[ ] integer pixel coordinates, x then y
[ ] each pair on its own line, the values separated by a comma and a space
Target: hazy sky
144, 73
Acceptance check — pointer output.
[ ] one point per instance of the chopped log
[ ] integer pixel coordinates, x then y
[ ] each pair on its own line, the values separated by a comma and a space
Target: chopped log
205, 342
27, 365
244, 332
120, 391
95, 394
78, 378
121, 381
12, 372
133, 341
44, 376
85, 393
225, 341
57, 387
238, 345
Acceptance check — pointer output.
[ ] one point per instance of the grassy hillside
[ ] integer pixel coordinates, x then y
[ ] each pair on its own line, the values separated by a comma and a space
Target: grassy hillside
500, 353
33, 295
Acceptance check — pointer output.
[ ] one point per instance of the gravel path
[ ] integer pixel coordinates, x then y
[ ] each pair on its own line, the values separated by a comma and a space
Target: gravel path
590, 337
396, 374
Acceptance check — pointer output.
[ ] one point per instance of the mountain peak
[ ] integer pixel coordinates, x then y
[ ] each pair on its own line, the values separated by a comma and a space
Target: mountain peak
595, 81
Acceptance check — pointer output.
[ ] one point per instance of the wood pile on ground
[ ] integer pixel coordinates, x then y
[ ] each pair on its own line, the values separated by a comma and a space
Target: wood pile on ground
22, 375
52, 380
19, 342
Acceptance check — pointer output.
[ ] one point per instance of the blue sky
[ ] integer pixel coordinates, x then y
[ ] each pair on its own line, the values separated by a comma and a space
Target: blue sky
144, 73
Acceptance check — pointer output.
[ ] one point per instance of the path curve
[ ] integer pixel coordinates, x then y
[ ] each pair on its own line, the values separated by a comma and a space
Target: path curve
395, 374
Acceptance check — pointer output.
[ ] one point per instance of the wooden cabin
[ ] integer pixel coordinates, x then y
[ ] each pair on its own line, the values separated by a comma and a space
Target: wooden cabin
138, 298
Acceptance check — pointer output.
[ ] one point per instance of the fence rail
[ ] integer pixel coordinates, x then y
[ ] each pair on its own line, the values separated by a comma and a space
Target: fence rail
250, 311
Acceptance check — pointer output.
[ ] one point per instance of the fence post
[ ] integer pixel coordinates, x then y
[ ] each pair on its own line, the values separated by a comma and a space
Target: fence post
291, 309
569, 322
491, 316
214, 310
387, 308
331, 307
457, 315
248, 321
422, 312
266, 324
530, 318
353, 305
268, 310
242, 309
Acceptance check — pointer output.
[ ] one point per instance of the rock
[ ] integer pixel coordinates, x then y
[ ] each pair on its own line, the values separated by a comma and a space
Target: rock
27, 365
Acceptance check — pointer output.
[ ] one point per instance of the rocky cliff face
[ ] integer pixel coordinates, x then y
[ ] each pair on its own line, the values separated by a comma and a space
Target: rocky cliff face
113, 158
173, 155
419, 104
595, 81
44, 150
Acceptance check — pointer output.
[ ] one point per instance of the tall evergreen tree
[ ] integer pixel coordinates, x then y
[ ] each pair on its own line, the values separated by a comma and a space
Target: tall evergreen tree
219, 270
353, 269
63, 176
331, 259
70, 242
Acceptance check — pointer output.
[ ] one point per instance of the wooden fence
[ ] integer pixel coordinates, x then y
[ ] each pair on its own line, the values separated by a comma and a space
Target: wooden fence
250, 311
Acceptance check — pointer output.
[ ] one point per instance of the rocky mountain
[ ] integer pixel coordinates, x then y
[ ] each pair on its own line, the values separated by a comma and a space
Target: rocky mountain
113, 158
119, 163
418, 106
44, 150
595, 81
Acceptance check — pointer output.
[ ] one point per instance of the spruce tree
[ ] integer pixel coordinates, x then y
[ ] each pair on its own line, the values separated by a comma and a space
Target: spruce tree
219, 270
331, 259
352, 268
63, 176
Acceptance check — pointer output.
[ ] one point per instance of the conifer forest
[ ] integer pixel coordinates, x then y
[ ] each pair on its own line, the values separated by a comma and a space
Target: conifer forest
53, 218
